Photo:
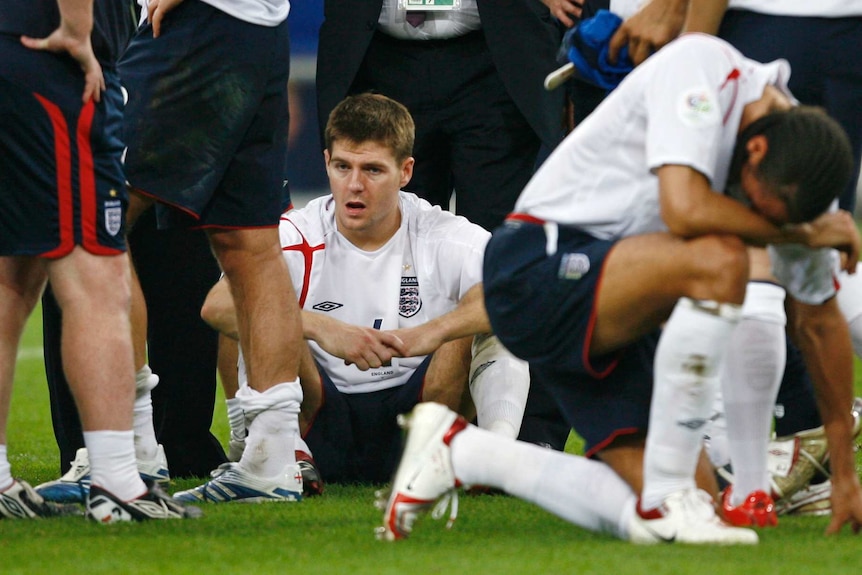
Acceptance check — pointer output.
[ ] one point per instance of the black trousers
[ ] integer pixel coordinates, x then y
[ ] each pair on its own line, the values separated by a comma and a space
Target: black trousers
176, 269
470, 135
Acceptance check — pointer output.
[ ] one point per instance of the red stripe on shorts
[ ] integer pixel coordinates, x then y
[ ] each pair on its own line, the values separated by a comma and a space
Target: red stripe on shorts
63, 160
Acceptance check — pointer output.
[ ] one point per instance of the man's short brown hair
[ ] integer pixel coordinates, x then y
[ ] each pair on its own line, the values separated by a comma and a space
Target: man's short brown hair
372, 118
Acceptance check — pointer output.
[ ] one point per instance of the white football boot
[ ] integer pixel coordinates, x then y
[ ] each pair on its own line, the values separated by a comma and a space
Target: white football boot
686, 517
424, 474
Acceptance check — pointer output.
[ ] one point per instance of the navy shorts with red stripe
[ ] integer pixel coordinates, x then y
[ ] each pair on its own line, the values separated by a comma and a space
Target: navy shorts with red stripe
542, 307
61, 179
354, 437
206, 121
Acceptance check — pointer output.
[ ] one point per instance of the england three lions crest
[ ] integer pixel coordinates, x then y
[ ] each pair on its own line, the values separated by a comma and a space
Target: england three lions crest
113, 217
409, 302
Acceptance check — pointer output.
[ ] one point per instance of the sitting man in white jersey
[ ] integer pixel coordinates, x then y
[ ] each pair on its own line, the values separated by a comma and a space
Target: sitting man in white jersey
622, 229
366, 260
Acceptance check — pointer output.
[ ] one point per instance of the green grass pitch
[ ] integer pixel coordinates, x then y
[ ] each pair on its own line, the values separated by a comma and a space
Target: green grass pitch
334, 533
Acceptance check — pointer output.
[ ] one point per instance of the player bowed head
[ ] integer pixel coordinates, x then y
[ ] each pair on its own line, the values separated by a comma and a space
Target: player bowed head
790, 165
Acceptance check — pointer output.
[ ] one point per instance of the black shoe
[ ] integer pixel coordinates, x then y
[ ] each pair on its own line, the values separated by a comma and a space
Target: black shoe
21, 501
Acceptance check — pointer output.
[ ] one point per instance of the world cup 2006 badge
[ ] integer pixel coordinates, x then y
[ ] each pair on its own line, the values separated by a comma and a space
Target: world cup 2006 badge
409, 303
113, 217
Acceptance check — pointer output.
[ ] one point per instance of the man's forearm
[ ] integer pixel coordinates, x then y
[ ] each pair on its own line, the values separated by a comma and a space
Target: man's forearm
705, 16
824, 339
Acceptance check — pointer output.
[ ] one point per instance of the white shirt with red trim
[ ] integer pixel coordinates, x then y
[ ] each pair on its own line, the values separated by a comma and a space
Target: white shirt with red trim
682, 106
421, 273
262, 12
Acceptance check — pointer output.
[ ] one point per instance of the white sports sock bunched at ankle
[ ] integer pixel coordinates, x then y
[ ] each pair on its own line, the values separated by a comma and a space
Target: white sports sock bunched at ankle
687, 362
236, 418
582, 491
750, 376
273, 424
112, 463
146, 445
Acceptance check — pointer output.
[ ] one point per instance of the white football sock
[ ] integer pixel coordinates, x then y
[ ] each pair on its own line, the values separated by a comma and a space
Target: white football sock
112, 463
850, 302
273, 425
236, 418
582, 491
687, 361
499, 384
750, 376
715, 434
146, 445
5, 469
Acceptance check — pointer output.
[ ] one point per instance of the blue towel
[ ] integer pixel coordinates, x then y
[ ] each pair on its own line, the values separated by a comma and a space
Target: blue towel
586, 46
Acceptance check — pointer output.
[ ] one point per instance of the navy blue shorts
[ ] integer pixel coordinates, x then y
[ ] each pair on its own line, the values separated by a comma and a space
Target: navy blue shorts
206, 121
354, 437
61, 179
543, 310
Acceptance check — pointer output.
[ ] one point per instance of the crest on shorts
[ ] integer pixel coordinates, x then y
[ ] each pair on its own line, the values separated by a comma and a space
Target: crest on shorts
113, 217
573, 266
409, 302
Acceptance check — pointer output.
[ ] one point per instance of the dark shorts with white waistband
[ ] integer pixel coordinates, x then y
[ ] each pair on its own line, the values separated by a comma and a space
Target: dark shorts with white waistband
206, 121
354, 437
542, 307
61, 179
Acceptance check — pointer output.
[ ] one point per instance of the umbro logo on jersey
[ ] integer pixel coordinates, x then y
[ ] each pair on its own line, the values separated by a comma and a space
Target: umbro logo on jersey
327, 306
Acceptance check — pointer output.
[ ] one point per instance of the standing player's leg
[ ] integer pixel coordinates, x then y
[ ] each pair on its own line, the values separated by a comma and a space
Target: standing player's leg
703, 282
270, 334
176, 268
93, 292
21, 282
751, 376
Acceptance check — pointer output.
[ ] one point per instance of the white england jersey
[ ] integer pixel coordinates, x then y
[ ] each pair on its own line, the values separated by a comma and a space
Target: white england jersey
818, 9
681, 106
421, 273
261, 12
